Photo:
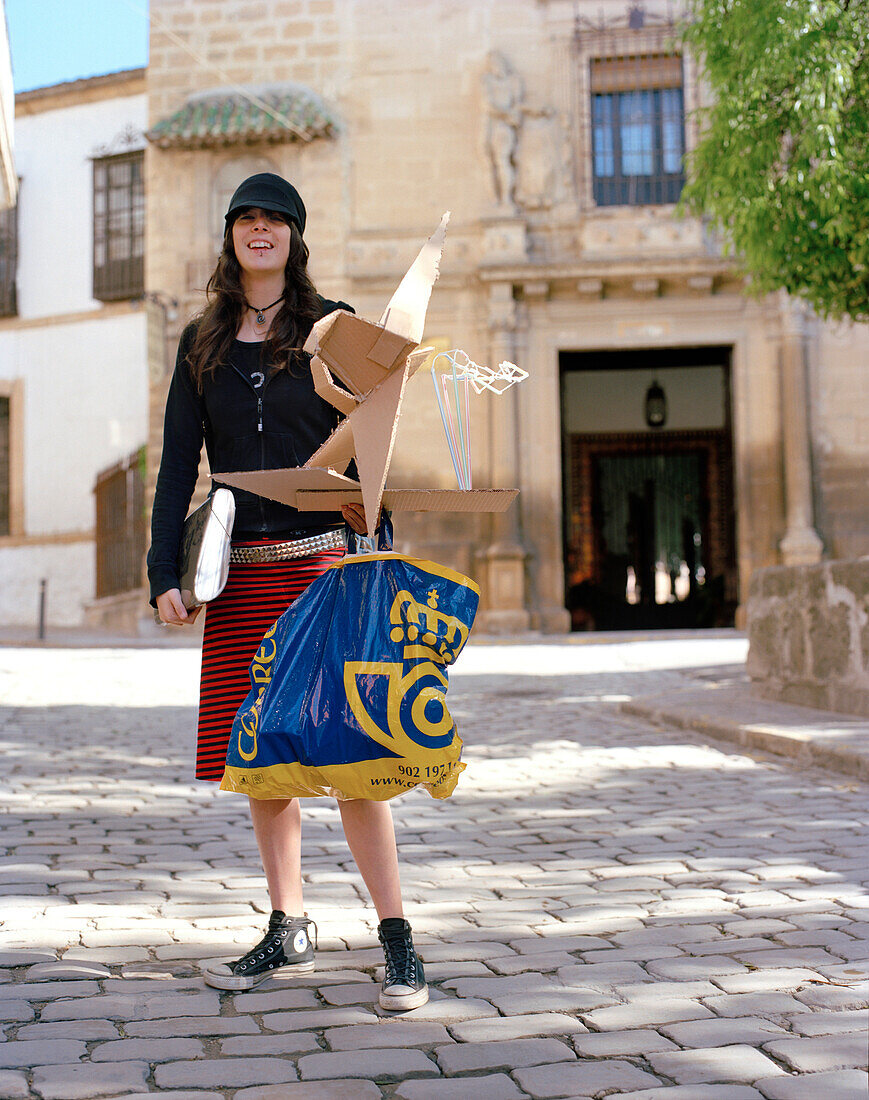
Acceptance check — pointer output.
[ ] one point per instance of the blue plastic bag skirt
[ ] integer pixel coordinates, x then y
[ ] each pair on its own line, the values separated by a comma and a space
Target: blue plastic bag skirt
348, 689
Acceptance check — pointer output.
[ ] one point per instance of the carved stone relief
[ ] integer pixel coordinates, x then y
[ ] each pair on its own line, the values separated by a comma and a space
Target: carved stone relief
504, 96
636, 233
543, 162
526, 147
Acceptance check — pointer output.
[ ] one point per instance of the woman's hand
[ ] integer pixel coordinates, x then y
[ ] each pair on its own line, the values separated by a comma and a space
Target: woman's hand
354, 515
172, 610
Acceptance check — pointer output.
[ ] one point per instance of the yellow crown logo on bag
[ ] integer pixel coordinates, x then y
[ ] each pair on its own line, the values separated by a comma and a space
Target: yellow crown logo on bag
430, 634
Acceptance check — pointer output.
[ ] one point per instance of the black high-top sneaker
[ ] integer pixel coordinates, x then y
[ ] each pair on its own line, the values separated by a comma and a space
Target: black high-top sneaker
404, 985
286, 944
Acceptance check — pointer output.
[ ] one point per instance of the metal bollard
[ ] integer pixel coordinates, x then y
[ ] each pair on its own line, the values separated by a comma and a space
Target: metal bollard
41, 630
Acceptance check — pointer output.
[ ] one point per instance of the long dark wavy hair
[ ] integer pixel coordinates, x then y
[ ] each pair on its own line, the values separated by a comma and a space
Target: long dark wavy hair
220, 320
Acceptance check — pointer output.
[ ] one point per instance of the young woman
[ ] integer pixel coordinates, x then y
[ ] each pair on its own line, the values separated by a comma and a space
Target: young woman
243, 387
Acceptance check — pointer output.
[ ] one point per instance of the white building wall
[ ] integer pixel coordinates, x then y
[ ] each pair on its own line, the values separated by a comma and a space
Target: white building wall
53, 157
82, 365
85, 407
69, 570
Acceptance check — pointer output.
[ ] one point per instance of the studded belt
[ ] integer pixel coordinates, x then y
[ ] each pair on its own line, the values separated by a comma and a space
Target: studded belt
285, 551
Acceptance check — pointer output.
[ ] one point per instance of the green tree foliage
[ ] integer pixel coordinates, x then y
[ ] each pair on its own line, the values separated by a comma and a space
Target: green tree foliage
781, 166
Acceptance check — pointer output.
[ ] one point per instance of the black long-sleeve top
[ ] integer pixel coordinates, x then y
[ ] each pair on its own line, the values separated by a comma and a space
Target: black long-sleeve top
249, 418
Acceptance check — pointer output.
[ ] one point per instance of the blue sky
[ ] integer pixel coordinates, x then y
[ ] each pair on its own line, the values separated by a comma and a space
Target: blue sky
57, 40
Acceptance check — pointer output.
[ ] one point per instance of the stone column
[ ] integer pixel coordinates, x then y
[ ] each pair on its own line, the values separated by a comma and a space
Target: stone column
801, 544
540, 461
504, 559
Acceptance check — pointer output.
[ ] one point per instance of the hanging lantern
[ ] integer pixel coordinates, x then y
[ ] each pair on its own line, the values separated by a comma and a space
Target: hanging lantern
656, 406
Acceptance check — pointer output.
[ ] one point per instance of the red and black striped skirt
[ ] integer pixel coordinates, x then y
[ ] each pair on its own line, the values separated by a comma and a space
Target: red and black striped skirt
254, 597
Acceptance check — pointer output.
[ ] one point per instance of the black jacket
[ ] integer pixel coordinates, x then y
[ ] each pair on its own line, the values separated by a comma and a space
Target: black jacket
243, 428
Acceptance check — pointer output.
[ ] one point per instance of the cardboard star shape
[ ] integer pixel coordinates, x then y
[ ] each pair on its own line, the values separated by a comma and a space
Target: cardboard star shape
372, 364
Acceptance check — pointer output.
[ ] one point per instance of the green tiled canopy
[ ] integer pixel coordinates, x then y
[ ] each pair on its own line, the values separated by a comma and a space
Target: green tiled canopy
278, 113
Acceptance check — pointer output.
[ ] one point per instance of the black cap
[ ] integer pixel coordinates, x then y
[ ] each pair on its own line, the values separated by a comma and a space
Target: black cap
269, 192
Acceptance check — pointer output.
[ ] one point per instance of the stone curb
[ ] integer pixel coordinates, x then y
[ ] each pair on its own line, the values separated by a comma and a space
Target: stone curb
730, 712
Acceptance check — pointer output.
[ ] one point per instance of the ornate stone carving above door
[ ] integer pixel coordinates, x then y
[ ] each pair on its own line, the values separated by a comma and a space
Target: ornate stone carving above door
543, 161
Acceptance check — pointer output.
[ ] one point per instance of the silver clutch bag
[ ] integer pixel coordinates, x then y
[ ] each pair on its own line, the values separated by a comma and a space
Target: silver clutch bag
205, 546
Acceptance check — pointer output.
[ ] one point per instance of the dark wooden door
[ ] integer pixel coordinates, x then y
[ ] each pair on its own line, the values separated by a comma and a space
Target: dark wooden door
650, 531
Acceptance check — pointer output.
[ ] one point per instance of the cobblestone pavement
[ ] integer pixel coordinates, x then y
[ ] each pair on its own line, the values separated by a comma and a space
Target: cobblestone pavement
605, 908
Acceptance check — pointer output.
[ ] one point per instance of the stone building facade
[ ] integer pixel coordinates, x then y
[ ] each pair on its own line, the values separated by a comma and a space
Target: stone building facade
553, 131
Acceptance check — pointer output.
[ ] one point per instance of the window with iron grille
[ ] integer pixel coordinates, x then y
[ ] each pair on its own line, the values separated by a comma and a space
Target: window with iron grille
8, 261
120, 525
119, 227
638, 133
5, 463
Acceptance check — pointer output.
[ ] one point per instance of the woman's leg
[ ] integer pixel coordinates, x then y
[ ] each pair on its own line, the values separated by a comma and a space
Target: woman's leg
277, 823
371, 836
286, 944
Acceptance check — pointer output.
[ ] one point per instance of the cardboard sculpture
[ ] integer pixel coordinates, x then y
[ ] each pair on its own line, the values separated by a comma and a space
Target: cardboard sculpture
373, 363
